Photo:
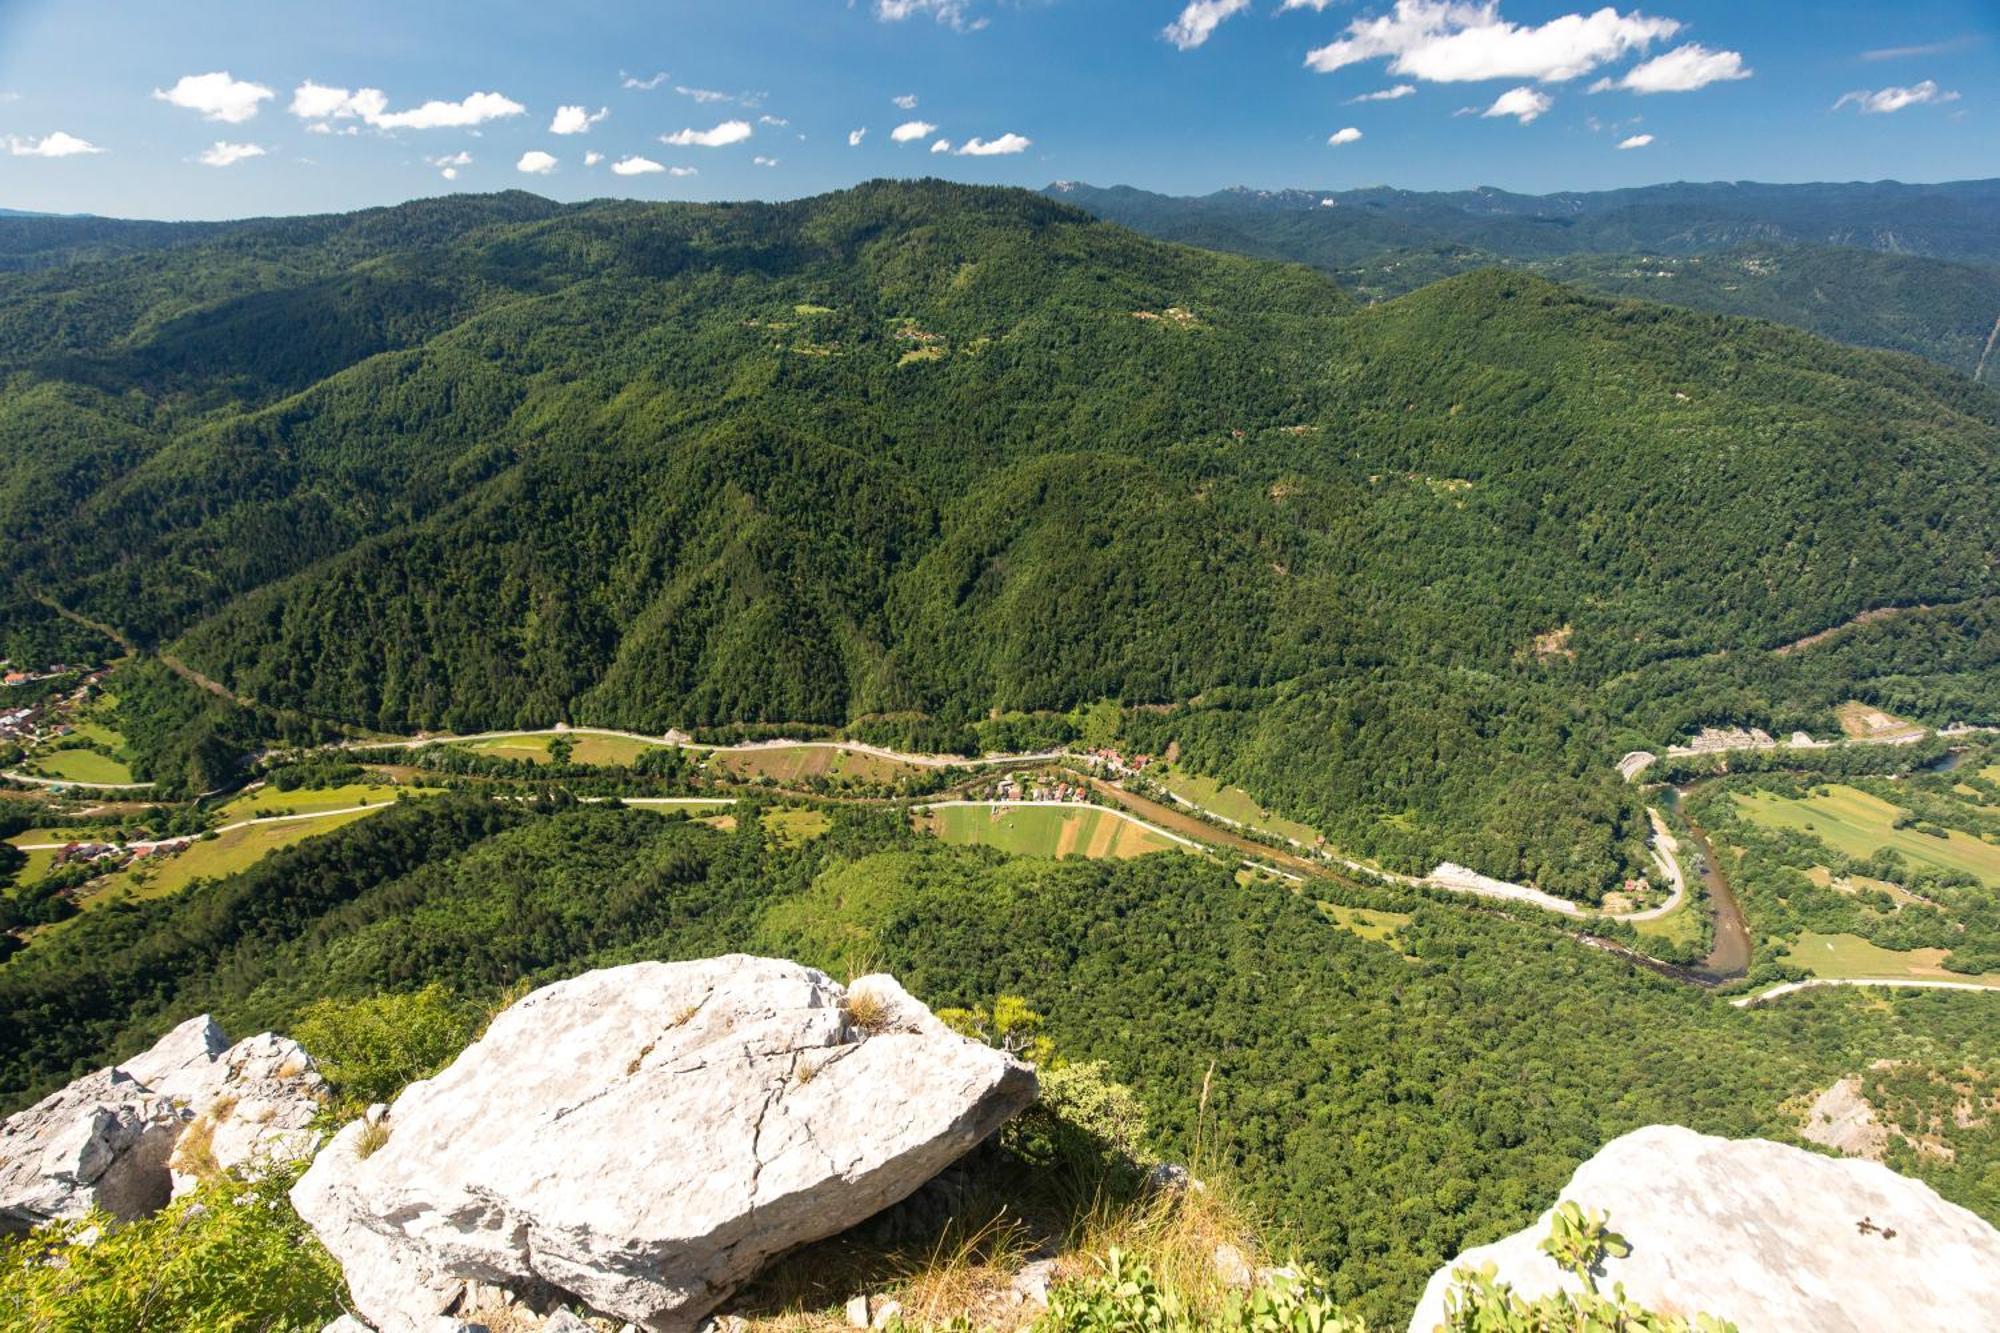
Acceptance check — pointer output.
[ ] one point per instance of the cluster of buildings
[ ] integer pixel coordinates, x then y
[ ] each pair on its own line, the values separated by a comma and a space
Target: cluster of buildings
1039, 787
1107, 760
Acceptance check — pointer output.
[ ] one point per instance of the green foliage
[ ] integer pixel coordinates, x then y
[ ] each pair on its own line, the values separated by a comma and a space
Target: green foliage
369, 1049
229, 1257
1127, 1298
1577, 1241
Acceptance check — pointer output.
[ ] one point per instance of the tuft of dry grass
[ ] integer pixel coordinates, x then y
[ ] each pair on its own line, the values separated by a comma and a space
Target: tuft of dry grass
866, 1011
373, 1135
194, 1151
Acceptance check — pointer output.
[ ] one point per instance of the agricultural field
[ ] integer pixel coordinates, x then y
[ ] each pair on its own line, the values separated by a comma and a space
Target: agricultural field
1047, 830
1231, 803
610, 751
238, 849
1850, 956
1860, 824
794, 825
1864, 722
534, 749
311, 800
80, 766
1680, 926
796, 765
1367, 922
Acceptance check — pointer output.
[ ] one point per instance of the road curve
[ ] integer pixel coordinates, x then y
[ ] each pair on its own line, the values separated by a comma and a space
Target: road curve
1906, 983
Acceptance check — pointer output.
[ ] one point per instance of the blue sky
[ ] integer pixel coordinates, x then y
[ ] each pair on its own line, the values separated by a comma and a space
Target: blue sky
225, 108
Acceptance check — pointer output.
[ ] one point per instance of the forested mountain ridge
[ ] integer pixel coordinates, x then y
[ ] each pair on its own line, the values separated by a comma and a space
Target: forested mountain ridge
1911, 268
918, 448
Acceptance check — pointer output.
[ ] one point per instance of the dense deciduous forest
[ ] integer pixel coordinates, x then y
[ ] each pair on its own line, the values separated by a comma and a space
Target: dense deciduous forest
1416, 572
1909, 268
1385, 1101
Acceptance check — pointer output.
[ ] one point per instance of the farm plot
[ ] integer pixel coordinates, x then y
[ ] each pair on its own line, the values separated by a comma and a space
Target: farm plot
1860, 824
1049, 831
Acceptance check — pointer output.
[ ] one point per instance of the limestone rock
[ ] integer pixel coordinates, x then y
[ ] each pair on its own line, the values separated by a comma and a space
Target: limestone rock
108, 1140
643, 1138
1773, 1238
1841, 1118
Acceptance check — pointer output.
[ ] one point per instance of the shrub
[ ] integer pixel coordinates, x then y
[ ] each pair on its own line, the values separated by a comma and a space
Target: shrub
369, 1049
228, 1258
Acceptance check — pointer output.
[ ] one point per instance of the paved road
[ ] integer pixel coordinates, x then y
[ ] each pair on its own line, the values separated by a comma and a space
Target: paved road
746, 747
71, 782
1909, 983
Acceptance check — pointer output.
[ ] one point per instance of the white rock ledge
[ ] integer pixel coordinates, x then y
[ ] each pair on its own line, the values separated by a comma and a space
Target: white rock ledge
1773, 1238
644, 1138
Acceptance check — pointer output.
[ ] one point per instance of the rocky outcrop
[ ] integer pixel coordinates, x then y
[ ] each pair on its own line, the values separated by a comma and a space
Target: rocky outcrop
642, 1139
1772, 1237
125, 1139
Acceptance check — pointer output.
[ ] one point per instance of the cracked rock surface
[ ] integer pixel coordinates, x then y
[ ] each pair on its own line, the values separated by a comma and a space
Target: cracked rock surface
1770, 1237
125, 1139
644, 1138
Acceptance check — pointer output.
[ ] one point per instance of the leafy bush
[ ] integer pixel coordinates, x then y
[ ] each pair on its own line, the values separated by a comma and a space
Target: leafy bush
369, 1049
228, 1258
1127, 1298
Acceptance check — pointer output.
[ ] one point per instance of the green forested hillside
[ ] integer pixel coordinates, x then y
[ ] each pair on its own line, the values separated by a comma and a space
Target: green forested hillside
1906, 268
918, 449
1386, 1103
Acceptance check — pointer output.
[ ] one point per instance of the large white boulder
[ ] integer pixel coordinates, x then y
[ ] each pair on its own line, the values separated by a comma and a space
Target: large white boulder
125, 1139
1773, 1238
644, 1138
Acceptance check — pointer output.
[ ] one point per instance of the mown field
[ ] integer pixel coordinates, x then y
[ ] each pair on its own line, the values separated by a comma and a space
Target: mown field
795, 765
1850, 956
80, 766
1860, 824
225, 854
307, 800
1231, 803
1050, 831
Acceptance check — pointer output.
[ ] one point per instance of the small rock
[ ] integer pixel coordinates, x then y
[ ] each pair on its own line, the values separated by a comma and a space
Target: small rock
563, 1321
857, 1312
1233, 1268
347, 1323
887, 1313
1167, 1179
1031, 1284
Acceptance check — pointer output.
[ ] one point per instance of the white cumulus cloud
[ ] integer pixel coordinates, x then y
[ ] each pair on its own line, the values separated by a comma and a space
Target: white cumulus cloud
216, 96
1636, 141
1000, 147
1885, 100
1339, 137
906, 102
941, 146
952, 13
635, 166
854, 137
1523, 103
728, 132
575, 119
1450, 41
1199, 21
449, 163
703, 95
762, 161
778, 121
319, 102
684, 171
221, 154
642, 85
1681, 70
536, 163
592, 158
57, 144
1396, 93
911, 130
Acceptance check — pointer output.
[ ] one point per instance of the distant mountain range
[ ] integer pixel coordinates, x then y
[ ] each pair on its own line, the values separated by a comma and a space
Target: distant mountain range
1912, 268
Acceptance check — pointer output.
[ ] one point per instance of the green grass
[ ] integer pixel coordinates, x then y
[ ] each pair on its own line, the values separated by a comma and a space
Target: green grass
226, 854
610, 751
81, 766
796, 825
1232, 803
1860, 824
91, 729
1850, 956
534, 749
1367, 922
306, 800
1047, 831
1681, 926
797, 765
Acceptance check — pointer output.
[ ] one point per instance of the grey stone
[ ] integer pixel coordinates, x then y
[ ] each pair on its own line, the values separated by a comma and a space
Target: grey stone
1773, 1238
644, 1138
